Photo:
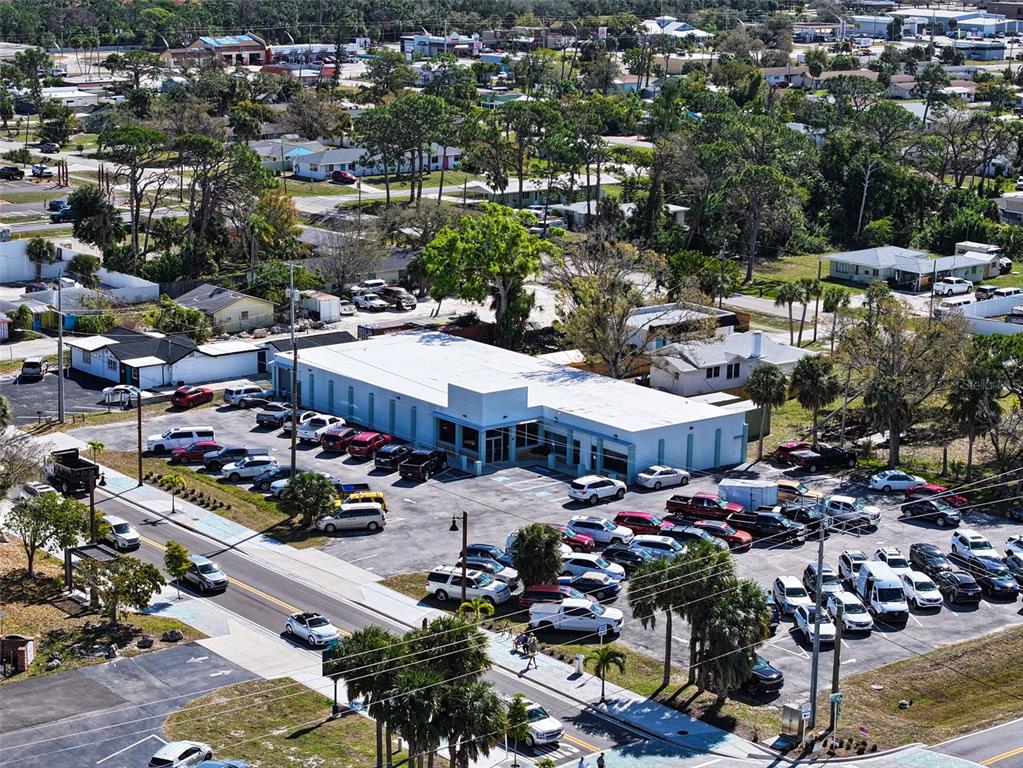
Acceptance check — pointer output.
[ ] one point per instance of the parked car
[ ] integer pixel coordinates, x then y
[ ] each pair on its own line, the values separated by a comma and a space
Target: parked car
33, 489
808, 514
205, 575
311, 627
920, 591
337, 438
822, 455
551, 593
353, 516
600, 529
422, 463
970, 544
50, 148
189, 397
489, 550
397, 297
851, 512
311, 430
600, 585
233, 395
935, 510
806, 621
639, 522
249, 467
737, 541
181, 754
995, 580
626, 557
772, 526
855, 617
893, 558
764, 678
690, 534
273, 414
277, 486
1014, 545
829, 580
34, 368
40, 171
343, 177
512, 541
578, 563
927, 558
932, 490
984, 292
700, 506
595, 488
63, 215
346, 308
371, 285
888, 480
791, 490
782, 452
958, 587
256, 400
445, 581
1014, 562
658, 546
264, 480
56, 205
789, 594
952, 286
365, 444
488, 565
1004, 265
178, 437
658, 477
391, 456
849, 564
303, 417
573, 615
121, 534
370, 302
11, 173
213, 460
194, 452
578, 542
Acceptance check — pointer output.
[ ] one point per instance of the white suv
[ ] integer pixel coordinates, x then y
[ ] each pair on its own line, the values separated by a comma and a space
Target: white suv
855, 617
579, 563
248, 467
805, 617
600, 529
970, 544
952, 286
445, 581
789, 595
543, 727
312, 430
920, 591
894, 559
658, 546
122, 534
594, 488
576, 615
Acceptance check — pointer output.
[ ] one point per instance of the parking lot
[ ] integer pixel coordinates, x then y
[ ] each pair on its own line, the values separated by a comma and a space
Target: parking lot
82, 394
418, 537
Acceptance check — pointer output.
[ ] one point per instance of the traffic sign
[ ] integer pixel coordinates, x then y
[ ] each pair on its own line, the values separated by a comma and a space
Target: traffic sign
602, 630
837, 698
864, 732
804, 710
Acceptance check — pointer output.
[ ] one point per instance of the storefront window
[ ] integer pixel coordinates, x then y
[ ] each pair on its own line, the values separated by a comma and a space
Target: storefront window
616, 462
527, 435
445, 431
471, 439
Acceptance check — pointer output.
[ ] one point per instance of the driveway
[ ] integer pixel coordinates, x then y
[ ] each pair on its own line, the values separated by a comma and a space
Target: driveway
110, 714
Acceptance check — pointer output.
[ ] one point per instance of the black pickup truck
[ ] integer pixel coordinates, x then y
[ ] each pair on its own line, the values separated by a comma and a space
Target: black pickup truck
774, 526
822, 456
422, 463
69, 472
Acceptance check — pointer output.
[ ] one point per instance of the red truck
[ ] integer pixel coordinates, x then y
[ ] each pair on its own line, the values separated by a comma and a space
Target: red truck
700, 506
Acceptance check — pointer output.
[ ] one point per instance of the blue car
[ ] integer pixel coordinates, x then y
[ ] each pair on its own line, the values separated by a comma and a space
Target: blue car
491, 551
599, 585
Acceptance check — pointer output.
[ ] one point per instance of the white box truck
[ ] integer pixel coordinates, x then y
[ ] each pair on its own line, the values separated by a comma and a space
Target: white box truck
880, 589
749, 493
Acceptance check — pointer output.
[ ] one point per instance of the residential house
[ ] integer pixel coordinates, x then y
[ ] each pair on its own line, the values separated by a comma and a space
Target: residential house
280, 154
961, 89
579, 215
537, 191
786, 77
5, 327
722, 363
659, 325
902, 86
626, 83
228, 311
149, 360
320, 165
669, 26
908, 270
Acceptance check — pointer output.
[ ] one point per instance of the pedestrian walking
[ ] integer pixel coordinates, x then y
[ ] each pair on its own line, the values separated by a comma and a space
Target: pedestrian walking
582, 763
531, 650
600, 761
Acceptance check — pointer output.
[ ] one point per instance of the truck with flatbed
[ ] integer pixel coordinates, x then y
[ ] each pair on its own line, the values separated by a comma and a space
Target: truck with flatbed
70, 472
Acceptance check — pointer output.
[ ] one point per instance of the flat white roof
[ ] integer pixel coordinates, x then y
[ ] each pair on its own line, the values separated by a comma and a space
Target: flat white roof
226, 348
144, 362
422, 365
90, 343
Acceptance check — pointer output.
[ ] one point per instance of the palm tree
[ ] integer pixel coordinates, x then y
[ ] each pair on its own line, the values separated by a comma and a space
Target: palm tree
835, 299
973, 405
478, 607
809, 288
740, 622
414, 708
473, 720
605, 658
787, 295
97, 448
766, 387
654, 589
174, 485
816, 385
703, 571
451, 646
6, 415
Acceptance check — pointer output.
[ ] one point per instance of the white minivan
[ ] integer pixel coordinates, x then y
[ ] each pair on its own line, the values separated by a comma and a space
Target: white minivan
576, 615
178, 437
356, 516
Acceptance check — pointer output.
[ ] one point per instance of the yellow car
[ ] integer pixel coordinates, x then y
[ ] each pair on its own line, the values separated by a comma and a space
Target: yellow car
793, 490
360, 496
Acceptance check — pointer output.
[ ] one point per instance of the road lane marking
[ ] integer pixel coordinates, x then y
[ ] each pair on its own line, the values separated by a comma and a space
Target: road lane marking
147, 738
580, 742
1003, 756
709, 762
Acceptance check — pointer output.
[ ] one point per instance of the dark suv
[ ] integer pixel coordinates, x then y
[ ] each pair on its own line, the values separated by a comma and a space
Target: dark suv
11, 173
822, 455
994, 578
391, 456
214, 460
929, 559
397, 297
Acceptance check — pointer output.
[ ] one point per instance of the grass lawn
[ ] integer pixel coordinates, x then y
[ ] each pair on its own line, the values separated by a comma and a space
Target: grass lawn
300, 188
432, 179
36, 607
50, 232
955, 689
267, 724
34, 196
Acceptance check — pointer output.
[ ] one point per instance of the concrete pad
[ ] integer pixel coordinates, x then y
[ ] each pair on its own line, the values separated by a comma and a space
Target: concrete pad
260, 652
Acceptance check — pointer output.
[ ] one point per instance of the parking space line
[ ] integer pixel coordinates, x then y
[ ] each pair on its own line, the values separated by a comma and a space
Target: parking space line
914, 618
147, 738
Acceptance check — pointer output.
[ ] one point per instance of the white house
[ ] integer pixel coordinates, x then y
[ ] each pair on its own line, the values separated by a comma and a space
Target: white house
669, 26
149, 360
658, 325
718, 364
902, 86
908, 270
321, 305
490, 406
320, 165
789, 76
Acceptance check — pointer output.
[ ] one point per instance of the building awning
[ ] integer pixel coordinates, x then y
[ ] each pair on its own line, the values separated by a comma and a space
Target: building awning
143, 362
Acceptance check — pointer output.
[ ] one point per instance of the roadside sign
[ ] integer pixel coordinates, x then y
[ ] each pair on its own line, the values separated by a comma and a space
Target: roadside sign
602, 630
804, 710
602, 33
864, 732
837, 698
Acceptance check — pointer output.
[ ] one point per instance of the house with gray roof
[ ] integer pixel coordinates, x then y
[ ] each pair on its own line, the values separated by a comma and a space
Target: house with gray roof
320, 165
718, 364
229, 311
908, 270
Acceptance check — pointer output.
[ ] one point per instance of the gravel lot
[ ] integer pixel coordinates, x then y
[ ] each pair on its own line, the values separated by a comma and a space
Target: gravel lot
501, 501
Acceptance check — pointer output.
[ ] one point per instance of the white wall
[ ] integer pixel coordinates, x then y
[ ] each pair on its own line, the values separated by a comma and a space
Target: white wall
15, 266
329, 310
978, 313
198, 368
127, 289
97, 365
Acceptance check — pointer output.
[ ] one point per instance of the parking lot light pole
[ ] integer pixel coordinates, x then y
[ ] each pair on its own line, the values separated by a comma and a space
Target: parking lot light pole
815, 663
294, 383
836, 665
465, 544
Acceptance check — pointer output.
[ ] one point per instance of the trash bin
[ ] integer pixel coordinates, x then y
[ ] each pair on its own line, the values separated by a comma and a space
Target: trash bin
580, 662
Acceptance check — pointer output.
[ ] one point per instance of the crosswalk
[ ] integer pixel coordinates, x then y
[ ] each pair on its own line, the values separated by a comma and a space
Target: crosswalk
561, 753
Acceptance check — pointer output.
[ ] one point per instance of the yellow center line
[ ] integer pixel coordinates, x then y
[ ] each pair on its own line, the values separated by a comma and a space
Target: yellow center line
580, 742
1003, 756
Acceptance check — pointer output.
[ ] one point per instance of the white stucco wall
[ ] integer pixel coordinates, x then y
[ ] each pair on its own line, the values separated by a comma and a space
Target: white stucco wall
198, 368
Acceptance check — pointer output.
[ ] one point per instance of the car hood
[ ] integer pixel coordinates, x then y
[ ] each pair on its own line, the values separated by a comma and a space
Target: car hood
613, 614
546, 725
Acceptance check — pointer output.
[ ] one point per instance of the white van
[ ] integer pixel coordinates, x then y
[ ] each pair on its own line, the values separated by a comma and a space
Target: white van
178, 437
952, 304
880, 589
1009, 291
576, 615
355, 516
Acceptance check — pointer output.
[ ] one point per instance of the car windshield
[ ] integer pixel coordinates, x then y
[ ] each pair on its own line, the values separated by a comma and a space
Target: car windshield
890, 595
856, 608
537, 713
484, 580
601, 563
897, 561
208, 568
941, 504
121, 528
759, 663
795, 592
980, 544
721, 503
924, 585
829, 578
998, 571
859, 504
597, 609
318, 621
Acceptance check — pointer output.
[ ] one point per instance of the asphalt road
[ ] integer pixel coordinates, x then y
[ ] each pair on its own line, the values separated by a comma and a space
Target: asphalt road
999, 747
110, 714
266, 597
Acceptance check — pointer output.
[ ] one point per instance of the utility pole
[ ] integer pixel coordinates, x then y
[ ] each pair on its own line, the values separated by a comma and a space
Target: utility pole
465, 545
815, 662
138, 425
60, 350
836, 704
294, 381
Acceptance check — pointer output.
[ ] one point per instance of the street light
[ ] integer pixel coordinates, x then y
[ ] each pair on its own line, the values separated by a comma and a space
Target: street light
465, 544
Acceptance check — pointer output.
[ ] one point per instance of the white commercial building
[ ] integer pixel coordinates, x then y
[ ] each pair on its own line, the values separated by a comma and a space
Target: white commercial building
490, 406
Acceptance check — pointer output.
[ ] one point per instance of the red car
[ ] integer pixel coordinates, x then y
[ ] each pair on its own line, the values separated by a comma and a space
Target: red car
640, 522
336, 439
343, 177
188, 397
193, 452
700, 506
366, 443
579, 542
928, 490
783, 451
737, 541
